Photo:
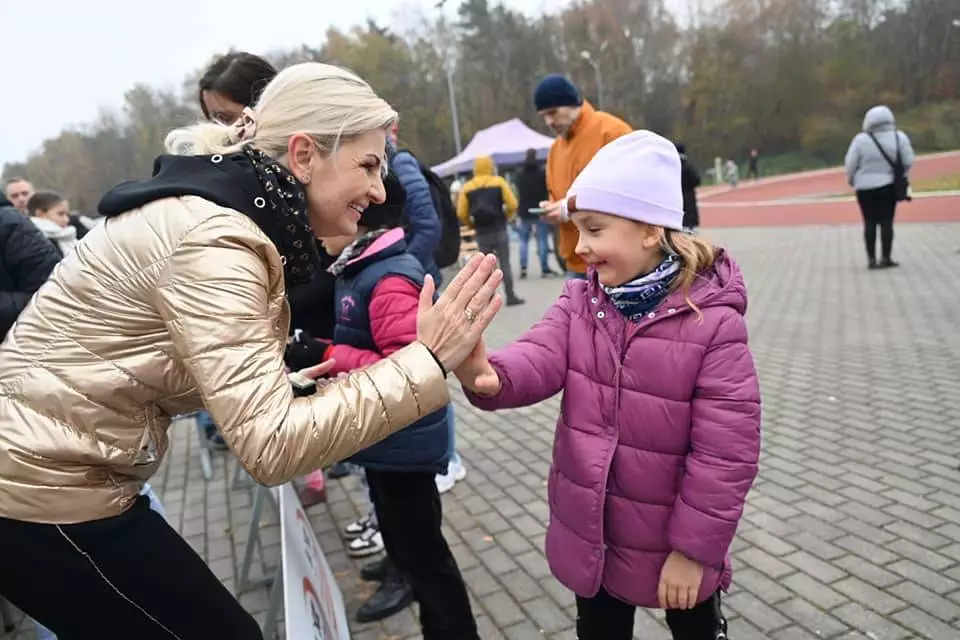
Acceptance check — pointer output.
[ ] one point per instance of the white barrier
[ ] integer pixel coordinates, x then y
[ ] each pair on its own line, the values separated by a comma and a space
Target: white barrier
313, 606
312, 603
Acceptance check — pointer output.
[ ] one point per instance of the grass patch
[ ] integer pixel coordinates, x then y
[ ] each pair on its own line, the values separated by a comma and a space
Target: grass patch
949, 182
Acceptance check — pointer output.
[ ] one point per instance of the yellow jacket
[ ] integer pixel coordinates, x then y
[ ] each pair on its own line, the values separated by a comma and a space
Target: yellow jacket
162, 311
484, 178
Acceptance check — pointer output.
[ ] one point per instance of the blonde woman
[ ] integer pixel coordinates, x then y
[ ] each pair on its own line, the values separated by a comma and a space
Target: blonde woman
175, 303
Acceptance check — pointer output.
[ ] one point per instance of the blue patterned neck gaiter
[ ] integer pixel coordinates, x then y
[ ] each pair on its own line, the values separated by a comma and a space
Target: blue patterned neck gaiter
635, 298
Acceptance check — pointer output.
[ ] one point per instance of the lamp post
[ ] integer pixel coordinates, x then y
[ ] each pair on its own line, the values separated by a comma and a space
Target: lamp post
454, 114
448, 65
599, 78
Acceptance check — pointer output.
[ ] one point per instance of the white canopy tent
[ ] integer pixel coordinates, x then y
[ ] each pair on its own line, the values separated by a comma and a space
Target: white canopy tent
506, 143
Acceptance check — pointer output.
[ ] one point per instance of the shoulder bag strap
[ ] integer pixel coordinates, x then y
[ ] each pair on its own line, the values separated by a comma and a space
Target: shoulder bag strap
883, 152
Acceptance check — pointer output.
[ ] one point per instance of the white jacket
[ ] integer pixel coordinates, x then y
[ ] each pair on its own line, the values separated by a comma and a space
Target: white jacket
65, 238
866, 166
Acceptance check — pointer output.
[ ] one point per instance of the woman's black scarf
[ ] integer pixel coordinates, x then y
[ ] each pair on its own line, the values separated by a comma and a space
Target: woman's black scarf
284, 218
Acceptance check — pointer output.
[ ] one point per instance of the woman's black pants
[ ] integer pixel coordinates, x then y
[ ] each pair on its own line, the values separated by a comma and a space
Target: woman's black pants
129, 576
878, 206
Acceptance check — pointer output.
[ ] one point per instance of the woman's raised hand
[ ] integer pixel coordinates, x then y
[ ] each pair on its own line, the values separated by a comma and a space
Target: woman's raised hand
451, 327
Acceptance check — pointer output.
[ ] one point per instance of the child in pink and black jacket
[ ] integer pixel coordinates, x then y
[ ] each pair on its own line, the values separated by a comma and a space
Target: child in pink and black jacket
376, 298
658, 440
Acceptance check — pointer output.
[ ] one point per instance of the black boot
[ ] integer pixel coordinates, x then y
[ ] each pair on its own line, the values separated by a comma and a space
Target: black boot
376, 571
887, 263
513, 301
338, 470
393, 596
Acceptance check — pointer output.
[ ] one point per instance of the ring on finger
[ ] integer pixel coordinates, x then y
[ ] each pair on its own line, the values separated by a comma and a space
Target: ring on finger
471, 316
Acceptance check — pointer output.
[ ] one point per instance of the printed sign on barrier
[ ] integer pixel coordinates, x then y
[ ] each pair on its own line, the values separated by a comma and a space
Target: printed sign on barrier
313, 605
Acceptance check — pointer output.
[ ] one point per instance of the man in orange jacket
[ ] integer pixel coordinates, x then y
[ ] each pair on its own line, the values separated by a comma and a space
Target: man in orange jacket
581, 132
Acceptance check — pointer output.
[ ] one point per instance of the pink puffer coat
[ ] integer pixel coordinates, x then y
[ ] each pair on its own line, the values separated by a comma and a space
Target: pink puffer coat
658, 439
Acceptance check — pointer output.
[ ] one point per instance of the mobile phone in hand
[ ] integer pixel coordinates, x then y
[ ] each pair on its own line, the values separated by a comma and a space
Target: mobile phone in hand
302, 385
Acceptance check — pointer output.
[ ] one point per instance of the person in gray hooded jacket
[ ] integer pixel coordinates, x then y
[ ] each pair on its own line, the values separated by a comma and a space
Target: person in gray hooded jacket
872, 177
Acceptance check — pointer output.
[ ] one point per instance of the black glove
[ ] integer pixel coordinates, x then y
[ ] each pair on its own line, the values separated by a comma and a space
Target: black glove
304, 351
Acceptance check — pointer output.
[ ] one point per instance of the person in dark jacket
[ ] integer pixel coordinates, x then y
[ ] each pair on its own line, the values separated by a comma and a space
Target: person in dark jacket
311, 304
689, 180
26, 260
532, 190
83, 224
422, 221
377, 295
18, 191
753, 165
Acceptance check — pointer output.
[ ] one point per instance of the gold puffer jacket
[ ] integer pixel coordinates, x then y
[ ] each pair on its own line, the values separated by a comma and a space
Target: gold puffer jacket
159, 312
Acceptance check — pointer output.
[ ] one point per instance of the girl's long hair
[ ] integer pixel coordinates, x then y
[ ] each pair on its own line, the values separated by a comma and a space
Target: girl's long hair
696, 254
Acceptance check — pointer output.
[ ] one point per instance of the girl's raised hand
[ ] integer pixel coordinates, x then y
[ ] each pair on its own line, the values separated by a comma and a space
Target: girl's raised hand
476, 374
680, 581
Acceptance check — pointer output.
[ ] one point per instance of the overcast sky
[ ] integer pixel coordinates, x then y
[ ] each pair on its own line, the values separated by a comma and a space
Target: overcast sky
64, 59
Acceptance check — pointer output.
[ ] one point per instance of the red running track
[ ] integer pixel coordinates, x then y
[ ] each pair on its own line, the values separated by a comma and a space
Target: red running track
778, 201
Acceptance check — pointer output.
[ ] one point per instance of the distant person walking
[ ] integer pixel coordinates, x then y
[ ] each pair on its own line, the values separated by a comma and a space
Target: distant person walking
878, 164
689, 180
753, 165
732, 172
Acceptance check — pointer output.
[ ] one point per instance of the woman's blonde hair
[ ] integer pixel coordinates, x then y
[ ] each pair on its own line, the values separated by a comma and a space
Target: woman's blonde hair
328, 103
695, 254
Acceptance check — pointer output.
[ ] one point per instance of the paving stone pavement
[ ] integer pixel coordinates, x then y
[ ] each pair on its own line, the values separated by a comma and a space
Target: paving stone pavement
853, 527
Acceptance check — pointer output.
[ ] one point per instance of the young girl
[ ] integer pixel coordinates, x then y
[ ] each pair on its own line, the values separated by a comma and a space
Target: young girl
376, 299
50, 212
658, 438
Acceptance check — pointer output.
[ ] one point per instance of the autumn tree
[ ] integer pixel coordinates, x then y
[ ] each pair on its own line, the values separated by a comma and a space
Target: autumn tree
790, 77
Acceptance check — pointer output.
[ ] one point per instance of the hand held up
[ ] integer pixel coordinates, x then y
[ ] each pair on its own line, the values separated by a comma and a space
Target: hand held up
552, 211
476, 373
451, 327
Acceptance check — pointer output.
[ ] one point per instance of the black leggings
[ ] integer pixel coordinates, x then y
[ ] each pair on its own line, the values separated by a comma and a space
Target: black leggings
603, 617
878, 206
130, 576
410, 516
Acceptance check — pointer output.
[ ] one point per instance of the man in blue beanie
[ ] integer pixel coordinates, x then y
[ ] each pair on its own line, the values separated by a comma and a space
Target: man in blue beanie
581, 132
